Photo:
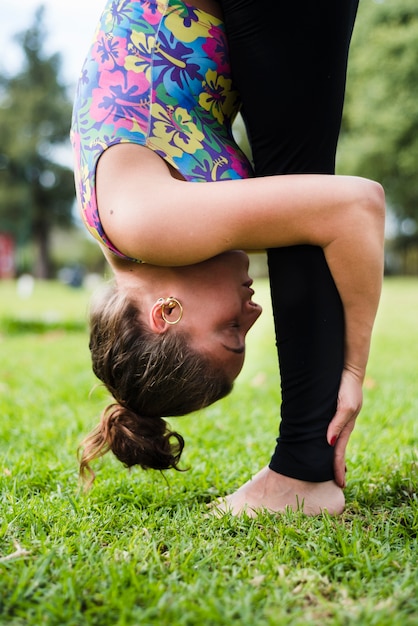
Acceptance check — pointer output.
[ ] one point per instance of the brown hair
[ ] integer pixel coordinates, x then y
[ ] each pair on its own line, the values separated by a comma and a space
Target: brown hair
150, 376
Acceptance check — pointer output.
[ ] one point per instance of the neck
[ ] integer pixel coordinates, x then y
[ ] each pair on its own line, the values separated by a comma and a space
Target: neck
150, 282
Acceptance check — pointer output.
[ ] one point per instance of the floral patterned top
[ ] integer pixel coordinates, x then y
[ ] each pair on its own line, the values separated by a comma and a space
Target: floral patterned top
157, 75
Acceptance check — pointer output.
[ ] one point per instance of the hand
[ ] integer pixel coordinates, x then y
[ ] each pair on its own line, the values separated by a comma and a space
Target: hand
350, 400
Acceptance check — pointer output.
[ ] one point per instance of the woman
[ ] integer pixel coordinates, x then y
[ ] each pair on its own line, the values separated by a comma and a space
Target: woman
298, 58
152, 114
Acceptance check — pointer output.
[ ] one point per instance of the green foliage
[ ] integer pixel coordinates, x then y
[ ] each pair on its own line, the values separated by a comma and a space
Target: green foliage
139, 549
380, 129
36, 192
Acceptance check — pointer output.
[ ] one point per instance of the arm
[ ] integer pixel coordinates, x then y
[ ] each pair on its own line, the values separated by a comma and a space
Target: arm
150, 215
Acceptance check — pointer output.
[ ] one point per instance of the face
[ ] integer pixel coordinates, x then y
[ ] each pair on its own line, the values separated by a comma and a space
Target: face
218, 309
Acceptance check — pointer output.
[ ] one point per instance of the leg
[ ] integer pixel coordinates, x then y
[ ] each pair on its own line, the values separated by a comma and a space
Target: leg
299, 55
309, 327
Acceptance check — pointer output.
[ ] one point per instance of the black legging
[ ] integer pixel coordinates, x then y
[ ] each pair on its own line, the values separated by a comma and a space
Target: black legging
289, 63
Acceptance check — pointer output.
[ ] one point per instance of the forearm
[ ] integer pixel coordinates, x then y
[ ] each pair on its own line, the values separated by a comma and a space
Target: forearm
356, 260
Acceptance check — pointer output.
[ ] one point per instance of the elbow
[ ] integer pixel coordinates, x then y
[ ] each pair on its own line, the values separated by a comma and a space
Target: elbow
377, 202
363, 212
363, 221
373, 210
378, 211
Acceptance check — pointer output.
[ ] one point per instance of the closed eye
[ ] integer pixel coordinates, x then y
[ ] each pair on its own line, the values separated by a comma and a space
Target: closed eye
239, 350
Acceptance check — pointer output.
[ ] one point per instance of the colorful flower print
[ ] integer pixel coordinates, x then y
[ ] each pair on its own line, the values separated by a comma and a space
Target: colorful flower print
157, 75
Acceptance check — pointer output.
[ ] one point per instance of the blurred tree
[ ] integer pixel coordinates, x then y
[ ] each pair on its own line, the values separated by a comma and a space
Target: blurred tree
380, 128
36, 191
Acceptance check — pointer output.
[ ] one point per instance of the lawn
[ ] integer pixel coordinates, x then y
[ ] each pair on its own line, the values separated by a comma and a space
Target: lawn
139, 550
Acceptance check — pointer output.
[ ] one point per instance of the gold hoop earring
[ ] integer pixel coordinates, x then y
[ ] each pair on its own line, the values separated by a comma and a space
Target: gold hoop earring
171, 303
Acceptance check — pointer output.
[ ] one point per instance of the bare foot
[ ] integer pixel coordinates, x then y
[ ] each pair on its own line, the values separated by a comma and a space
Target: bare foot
273, 492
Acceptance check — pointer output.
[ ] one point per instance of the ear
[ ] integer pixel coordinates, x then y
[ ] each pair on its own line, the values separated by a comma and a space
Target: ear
156, 320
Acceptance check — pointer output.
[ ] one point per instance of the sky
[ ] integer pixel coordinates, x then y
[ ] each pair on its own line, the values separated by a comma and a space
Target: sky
69, 23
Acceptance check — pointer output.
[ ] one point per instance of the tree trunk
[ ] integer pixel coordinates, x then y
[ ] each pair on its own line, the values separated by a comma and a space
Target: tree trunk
43, 264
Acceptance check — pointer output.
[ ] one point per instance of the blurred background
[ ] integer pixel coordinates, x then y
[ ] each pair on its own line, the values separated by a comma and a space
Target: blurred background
43, 46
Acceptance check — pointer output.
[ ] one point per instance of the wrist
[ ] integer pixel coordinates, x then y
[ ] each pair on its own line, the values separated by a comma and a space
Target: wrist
358, 372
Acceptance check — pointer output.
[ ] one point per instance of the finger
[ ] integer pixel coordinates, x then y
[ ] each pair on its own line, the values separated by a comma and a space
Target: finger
339, 453
345, 417
337, 424
339, 461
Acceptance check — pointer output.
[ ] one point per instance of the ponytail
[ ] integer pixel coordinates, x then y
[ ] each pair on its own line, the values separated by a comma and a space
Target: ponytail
133, 439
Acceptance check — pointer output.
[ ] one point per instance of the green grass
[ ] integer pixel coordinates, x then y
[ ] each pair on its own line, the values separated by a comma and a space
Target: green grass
139, 550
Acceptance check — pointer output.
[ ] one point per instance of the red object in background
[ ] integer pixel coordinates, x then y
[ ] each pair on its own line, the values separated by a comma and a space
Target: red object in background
7, 256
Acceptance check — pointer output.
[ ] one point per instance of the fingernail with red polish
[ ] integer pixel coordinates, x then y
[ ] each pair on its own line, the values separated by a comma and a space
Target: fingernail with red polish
333, 440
